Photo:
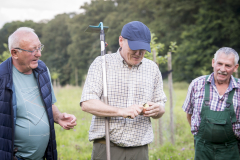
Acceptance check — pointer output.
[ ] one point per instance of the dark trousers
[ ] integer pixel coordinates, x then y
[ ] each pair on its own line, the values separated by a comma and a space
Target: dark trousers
119, 153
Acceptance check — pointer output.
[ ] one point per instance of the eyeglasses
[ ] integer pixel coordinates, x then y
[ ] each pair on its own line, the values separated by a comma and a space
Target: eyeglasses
35, 51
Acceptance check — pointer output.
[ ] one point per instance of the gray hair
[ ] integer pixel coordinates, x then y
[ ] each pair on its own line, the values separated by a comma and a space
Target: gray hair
14, 39
227, 51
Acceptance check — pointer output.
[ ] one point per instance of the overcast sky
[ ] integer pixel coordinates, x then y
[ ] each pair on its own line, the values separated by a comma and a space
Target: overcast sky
36, 10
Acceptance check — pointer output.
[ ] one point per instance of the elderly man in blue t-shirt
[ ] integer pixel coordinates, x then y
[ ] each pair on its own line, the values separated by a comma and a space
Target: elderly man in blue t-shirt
27, 110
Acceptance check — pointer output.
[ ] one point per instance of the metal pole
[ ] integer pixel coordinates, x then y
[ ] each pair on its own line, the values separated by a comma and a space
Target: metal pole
103, 52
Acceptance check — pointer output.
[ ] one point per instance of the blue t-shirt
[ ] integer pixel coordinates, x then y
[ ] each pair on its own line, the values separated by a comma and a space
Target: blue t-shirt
32, 128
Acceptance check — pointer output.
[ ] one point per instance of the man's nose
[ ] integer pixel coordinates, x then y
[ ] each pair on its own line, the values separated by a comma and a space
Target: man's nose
223, 68
38, 53
138, 52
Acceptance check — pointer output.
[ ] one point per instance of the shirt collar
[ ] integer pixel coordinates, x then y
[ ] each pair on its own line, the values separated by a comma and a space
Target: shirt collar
124, 63
232, 84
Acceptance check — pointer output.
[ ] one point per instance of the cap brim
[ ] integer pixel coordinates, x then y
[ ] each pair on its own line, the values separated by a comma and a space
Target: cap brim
136, 45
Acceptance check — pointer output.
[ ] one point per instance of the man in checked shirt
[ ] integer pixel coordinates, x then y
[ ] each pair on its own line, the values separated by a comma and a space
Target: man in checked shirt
212, 107
132, 81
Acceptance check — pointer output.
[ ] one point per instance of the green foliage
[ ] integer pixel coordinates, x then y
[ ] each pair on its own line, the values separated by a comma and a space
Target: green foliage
156, 47
85, 47
215, 26
6, 54
56, 39
54, 75
9, 28
173, 47
198, 27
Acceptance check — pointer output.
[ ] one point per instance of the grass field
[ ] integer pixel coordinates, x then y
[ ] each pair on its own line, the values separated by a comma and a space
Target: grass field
74, 144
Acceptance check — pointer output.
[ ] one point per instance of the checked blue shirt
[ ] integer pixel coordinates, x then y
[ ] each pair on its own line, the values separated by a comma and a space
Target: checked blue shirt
195, 96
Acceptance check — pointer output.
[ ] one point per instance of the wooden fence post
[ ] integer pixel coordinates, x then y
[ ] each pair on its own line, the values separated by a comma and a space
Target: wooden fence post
76, 76
170, 96
158, 124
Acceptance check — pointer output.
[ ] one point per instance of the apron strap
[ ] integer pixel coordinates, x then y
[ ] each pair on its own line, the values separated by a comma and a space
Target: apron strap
207, 92
206, 100
229, 104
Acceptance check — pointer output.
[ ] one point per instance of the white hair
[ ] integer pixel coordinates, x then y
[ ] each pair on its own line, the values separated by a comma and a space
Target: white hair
227, 51
14, 39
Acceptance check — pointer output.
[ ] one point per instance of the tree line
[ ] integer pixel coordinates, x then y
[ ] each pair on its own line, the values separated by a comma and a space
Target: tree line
199, 27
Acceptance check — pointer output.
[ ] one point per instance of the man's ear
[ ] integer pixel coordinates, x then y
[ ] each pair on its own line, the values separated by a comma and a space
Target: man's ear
120, 41
236, 68
213, 61
14, 53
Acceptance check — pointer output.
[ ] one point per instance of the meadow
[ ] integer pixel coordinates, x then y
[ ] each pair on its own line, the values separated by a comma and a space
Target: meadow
74, 144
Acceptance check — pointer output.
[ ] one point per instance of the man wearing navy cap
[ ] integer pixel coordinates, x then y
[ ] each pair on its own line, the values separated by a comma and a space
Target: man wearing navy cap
132, 81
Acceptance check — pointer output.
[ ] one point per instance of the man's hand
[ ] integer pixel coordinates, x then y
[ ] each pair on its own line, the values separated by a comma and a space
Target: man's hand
154, 110
131, 112
67, 121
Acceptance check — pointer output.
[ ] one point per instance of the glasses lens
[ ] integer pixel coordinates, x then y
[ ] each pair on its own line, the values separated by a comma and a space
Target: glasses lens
41, 48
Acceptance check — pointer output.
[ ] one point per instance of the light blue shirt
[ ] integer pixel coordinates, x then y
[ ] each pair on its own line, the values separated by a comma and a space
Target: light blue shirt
32, 128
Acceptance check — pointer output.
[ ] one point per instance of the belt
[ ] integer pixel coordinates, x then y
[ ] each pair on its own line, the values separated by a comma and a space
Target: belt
103, 141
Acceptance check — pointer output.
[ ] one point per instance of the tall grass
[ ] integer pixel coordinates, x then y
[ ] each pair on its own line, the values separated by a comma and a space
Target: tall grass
183, 149
74, 144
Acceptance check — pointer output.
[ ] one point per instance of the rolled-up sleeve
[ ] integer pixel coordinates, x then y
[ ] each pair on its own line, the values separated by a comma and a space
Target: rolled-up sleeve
93, 86
159, 95
187, 106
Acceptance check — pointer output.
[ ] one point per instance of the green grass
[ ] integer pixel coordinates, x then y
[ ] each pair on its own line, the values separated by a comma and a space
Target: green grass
74, 144
183, 148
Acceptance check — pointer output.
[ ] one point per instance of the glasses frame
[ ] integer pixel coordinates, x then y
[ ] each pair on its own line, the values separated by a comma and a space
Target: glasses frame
39, 49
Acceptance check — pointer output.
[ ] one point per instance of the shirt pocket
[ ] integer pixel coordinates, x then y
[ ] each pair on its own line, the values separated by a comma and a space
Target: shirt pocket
143, 94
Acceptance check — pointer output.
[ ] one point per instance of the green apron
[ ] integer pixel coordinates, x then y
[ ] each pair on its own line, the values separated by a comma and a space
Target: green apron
215, 139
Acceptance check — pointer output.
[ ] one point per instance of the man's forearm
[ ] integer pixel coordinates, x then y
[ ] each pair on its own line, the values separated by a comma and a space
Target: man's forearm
160, 114
189, 116
56, 113
98, 108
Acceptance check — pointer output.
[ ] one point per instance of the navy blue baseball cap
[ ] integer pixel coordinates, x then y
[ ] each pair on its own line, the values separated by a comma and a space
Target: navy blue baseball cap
138, 35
